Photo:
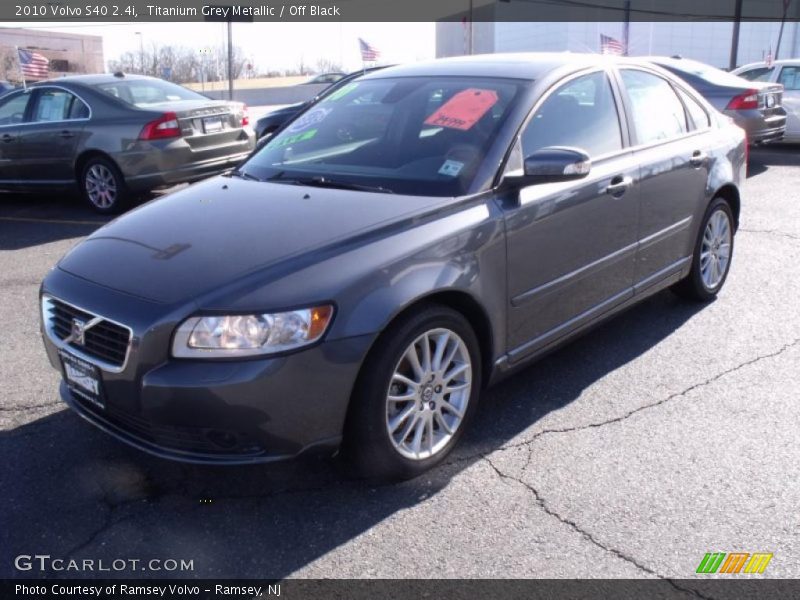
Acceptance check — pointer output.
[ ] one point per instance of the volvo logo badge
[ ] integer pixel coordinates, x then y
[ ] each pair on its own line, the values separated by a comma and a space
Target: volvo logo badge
78, 329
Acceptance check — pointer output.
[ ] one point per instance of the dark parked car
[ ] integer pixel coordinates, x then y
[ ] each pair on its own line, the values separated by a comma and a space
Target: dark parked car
274, 120
423, 233
116, 135
332, 77
754, 106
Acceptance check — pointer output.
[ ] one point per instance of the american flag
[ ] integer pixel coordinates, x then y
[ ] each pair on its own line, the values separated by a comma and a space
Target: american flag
609, 45
33, 65
368, 52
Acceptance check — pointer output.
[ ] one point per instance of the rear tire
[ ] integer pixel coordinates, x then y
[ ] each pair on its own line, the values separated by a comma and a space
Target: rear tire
713, 253
103, 186
408, 413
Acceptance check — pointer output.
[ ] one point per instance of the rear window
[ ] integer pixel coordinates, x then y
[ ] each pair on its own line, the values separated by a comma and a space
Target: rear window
712, 75
146, 92
758, 74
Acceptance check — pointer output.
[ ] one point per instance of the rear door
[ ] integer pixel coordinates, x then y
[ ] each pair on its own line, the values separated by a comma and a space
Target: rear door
789, 77
672, 151
13, 109
48, 140
571, 245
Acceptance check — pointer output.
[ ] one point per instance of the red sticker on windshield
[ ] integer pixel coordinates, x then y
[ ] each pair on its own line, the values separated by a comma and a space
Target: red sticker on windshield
464, 109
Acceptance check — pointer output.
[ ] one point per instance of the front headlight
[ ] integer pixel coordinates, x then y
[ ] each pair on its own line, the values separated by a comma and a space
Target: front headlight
228, 336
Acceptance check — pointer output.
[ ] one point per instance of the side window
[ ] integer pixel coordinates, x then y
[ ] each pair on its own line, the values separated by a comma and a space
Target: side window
657, 112
697, 114
582, 113
12, 109
52, 105
790, 78
758, 74
78, 109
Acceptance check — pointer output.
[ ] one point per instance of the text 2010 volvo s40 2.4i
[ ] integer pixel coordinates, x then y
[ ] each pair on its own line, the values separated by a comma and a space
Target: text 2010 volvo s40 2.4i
413, 238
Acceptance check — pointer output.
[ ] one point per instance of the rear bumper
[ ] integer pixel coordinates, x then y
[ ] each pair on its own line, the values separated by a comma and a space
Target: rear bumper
760, 129
186, 173
149, 165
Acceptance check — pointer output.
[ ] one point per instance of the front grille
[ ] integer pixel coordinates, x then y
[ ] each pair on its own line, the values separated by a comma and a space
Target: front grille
106, 342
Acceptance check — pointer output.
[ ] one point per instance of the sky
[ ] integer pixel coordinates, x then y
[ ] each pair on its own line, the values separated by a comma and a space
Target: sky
272, 46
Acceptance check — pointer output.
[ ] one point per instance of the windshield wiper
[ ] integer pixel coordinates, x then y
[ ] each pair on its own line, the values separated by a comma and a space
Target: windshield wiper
324, 182
243, 175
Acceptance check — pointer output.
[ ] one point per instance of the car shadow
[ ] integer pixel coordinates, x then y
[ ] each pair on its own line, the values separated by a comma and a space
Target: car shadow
772, 155
73, 492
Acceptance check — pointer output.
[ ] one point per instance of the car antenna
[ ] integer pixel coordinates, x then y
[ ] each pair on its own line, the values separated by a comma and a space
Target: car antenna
119, 74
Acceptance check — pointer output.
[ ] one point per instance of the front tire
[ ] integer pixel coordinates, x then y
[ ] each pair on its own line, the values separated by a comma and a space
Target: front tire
417, 391
713, 252
103, 186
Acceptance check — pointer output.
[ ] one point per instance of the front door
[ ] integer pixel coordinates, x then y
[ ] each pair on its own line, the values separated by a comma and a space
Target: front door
571, 245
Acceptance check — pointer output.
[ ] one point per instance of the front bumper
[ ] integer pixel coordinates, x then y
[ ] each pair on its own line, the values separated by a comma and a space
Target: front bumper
206, 411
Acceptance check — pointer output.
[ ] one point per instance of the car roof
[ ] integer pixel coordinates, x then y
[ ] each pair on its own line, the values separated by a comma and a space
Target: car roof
762, 63
518, 65
94, 79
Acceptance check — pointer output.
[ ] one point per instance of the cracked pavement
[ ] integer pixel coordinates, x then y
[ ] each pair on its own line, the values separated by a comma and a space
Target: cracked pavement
669, 432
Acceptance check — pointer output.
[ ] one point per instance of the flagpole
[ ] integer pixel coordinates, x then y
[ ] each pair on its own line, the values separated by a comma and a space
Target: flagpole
21, 72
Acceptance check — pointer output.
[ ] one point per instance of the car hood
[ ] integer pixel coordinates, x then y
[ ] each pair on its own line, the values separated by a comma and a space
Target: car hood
200, 239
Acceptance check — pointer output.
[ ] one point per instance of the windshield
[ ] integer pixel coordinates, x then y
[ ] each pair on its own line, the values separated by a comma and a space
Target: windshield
419, 136
145, 92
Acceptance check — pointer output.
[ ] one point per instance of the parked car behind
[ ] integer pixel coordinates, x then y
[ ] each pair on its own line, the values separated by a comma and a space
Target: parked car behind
332, 77
116, 135
755, 106
274, 120
786, 73
359, 280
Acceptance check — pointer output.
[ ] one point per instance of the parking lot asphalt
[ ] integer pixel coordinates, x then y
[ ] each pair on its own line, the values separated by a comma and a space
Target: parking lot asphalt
668, 432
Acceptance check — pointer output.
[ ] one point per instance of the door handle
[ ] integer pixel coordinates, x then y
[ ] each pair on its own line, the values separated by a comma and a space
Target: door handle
619, 185
66, 134
698, 158
7, 137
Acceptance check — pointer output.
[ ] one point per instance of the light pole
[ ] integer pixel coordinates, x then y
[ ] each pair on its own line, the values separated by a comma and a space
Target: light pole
141, 52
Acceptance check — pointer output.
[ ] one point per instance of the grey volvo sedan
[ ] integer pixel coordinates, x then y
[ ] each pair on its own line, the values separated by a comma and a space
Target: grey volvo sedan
413, 238
116, 135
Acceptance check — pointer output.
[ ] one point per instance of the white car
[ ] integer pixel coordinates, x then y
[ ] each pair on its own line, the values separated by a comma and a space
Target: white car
786, 72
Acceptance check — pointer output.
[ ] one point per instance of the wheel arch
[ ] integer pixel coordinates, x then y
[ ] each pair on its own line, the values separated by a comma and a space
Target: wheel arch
462, 302
85, 156
730, 193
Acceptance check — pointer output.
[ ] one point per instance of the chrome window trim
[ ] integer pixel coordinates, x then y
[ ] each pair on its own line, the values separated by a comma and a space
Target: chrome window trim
47, 302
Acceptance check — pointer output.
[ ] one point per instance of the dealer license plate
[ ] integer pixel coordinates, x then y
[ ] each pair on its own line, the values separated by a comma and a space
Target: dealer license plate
212, 125
83, 378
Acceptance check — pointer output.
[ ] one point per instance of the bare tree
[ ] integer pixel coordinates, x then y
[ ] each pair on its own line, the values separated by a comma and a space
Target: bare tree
9, 64
180, 64
326, 65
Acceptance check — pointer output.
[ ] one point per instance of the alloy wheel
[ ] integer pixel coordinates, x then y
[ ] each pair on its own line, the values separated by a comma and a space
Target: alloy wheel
715, 251
428, 394
101, 186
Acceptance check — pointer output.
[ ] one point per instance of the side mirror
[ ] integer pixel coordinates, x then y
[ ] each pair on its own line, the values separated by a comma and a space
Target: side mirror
556, 163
